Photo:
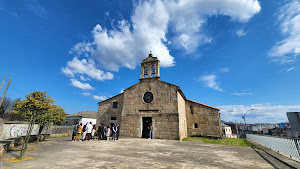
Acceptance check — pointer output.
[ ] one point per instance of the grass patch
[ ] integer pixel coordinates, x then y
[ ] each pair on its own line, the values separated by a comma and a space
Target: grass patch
250, 144
15, 160
225, 141
36, 143
28, 149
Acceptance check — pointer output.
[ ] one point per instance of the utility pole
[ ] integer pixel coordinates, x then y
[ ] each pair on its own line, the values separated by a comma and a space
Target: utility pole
237, 130
1, 101
2, 82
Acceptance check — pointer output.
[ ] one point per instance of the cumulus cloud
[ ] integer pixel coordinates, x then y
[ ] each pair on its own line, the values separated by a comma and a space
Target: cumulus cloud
288, 49
242, 94
99, 97
130, 40
122, 90
262, 113
189, 17
84, 79
240, 32
210, 81
85, 67
83, 86
86, 93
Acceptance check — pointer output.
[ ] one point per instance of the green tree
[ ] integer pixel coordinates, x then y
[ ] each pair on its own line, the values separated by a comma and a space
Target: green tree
5, 106
39, 108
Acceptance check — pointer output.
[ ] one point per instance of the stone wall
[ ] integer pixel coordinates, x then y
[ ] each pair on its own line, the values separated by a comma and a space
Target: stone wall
106, 110
182, 116
59, 131
206, 117
165, 126
164, 94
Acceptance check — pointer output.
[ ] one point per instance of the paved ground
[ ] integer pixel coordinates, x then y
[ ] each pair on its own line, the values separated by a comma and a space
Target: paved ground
136, 153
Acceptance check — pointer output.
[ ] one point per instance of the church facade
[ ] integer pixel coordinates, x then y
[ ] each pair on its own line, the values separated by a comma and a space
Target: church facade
152, 101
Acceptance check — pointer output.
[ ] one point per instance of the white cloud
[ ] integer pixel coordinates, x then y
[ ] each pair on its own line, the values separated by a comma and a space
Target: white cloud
83, 86
292, 68
37, 9
189, 16
86, 93
122, 90
240, 32
84, 79
288, 49
262, 113
242, 94
99, 97
85, 67
224, 70
129, 42
210, 81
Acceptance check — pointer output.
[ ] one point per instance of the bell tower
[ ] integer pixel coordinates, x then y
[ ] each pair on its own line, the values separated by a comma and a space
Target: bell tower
150, 68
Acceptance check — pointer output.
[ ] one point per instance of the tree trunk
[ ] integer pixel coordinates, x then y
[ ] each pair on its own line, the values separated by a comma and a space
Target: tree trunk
29, 129
40, 131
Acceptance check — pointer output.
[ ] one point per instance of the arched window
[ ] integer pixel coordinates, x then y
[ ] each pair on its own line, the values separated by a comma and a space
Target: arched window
146, 72
153, 71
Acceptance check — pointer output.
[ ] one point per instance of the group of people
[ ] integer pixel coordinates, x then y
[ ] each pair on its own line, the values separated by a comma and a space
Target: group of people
89, 131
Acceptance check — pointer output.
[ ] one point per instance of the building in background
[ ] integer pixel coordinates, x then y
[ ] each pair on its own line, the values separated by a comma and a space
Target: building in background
227, 131
294, 121
81, 117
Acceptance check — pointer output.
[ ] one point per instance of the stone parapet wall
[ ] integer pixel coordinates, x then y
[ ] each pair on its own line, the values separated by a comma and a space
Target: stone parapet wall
207, 119
18, 129
60, 131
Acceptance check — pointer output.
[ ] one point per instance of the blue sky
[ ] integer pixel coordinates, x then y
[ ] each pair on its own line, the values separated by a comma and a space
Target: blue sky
234, 55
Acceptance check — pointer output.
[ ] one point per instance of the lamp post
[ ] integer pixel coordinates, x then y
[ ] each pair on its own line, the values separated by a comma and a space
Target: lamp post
244, 117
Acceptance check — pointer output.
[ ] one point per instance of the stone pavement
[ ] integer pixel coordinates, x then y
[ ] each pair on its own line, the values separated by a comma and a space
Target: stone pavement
136, 153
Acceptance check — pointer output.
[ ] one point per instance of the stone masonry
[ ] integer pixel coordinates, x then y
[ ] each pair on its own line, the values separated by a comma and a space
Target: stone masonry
172, 115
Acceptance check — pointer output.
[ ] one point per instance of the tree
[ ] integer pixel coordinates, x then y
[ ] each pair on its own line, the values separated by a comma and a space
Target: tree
5, 106
40, 108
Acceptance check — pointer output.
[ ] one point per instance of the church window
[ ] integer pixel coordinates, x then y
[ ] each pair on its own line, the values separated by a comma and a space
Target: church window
195, 125
145, 72
148, 97
192, 111
115, 104
113, 118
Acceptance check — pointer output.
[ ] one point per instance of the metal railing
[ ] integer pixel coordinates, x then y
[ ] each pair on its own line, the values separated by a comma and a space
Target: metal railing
287, 146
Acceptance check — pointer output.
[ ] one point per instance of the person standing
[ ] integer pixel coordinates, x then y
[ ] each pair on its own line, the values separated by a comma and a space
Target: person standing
79, 131
108, 133
104, 132
84, 132
150, 131
100, 132
118, 131
93, 132
89, 129
115, 129
74, 131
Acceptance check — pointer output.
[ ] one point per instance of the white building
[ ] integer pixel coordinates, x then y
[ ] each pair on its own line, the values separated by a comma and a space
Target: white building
81, 117
227, 131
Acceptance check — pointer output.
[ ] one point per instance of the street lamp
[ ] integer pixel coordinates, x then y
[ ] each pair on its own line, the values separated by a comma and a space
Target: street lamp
244, 117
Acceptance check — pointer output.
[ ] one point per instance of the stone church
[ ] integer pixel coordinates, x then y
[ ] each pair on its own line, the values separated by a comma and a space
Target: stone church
152, 101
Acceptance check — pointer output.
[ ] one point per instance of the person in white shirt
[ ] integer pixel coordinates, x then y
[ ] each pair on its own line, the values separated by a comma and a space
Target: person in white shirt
89, 129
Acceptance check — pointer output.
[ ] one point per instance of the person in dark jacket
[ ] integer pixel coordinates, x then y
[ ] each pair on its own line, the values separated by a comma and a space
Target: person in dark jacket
100, 132
118, 131
75, 128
